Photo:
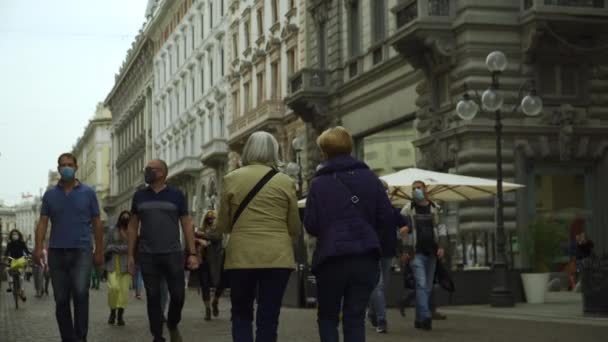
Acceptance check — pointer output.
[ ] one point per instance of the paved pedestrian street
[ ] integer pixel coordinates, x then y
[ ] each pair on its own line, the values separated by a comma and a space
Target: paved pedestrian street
36, 322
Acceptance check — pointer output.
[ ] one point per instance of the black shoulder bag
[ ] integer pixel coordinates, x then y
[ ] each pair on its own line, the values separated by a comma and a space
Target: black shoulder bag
267, 177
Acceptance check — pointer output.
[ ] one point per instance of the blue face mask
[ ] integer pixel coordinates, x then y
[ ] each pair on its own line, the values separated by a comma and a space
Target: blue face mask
418, 194
67, 173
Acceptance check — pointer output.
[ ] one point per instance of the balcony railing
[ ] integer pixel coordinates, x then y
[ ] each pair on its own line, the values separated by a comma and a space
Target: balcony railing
216, 148
415, 9
567, 3
270, 109
308, 79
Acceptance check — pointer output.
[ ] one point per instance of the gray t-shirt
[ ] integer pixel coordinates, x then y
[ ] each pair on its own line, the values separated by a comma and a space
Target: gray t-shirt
160, 215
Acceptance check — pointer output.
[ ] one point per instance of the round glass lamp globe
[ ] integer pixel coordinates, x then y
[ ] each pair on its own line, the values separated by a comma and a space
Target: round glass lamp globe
531, 105
292, 169
492, 100
467, 109
496, 61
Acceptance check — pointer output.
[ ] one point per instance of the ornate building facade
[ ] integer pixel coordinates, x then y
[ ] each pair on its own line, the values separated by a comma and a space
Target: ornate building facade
392, 71
265, 47
92, 150
130, 102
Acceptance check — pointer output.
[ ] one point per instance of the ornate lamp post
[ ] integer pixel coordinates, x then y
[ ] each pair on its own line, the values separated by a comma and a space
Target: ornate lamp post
492, 101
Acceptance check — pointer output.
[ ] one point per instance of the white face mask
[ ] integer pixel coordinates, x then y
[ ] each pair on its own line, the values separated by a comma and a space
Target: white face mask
15, 237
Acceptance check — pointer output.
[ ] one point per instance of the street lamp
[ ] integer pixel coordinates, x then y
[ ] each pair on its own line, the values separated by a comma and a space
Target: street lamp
298, 146
492, 101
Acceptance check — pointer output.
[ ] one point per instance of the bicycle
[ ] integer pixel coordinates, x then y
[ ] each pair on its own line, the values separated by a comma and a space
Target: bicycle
14, 270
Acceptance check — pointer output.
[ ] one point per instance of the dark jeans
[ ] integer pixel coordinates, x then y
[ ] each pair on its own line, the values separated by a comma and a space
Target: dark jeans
206, 283
155, 268
345, 284
70, 271
269, 285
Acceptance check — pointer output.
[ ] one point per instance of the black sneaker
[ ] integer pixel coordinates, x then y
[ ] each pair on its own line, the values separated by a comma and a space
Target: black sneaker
423, 325
373, 320
381, 328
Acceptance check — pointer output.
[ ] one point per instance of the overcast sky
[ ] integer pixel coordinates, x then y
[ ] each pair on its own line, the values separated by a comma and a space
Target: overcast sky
58, 59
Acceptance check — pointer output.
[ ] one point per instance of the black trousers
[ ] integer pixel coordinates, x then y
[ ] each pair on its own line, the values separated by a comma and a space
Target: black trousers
155, 267
266, 286
206, 282
345, 284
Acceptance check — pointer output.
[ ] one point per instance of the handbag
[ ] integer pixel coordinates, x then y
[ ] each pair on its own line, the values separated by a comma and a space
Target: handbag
267, 177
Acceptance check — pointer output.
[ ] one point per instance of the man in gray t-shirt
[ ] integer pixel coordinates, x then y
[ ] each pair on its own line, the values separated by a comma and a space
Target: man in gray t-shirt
160, 209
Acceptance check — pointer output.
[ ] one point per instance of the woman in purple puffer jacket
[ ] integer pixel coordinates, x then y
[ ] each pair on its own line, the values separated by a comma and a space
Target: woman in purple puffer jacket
346, 208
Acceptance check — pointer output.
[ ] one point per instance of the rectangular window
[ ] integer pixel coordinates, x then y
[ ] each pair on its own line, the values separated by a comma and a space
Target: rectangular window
276, 80
354, 34
379, 20
275, 11
235, 46
177, 104
261, 88
222, 62
260, 19
291, 62
235, 102
170, 66
560, 81
185, 43
222, 7
292, 3
211, 83
177, 55
192, 36
246, 97
247, 29
192, 88
202, 27
185, 92
202, 80
210, 14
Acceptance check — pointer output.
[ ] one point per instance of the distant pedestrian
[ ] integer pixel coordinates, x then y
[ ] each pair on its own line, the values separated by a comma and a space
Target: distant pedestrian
119, 278
72, 209
427, 242
388, 245
161, 209
211, 254
259, 210
17, 249
346, 210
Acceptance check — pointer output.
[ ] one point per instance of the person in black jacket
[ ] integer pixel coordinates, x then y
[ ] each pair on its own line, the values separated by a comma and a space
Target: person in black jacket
16, 248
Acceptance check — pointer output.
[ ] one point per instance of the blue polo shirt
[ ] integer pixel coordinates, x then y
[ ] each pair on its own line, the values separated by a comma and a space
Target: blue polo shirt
159, 214
71, 215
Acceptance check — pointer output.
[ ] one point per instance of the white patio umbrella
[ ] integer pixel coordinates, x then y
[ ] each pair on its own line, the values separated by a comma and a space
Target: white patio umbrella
445, 187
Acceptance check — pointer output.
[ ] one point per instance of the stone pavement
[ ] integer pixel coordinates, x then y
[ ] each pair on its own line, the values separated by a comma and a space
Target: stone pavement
36, 322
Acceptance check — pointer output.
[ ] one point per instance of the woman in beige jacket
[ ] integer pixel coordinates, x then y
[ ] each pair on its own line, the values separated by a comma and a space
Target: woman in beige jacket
259, 254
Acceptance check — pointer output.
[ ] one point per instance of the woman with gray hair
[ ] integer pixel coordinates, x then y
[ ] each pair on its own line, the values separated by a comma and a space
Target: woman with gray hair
259, 209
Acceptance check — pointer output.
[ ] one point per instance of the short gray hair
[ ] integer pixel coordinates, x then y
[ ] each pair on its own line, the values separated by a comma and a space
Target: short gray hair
263, 148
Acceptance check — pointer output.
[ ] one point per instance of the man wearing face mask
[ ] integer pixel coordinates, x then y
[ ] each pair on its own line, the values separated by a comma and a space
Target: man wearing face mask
72, 208
161, 209
428, 239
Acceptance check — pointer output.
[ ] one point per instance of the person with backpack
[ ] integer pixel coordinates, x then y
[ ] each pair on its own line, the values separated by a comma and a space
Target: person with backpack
346, 210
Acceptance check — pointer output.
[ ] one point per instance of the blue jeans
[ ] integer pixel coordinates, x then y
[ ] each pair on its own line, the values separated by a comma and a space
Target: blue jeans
266, 286
377, 303
344, 284
70, 271
423, 267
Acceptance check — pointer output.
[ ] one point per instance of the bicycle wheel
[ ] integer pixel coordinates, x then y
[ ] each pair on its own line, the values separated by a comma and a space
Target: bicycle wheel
16, 290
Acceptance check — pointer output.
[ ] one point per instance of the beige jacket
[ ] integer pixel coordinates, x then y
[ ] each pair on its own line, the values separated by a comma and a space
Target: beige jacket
264, 235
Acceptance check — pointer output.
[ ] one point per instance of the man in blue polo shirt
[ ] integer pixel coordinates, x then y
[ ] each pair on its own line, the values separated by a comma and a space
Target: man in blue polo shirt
72, 209
160, 209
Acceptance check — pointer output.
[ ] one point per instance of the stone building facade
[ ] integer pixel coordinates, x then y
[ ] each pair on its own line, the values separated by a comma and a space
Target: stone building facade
393, 71
265, 48
130, 102
92, 150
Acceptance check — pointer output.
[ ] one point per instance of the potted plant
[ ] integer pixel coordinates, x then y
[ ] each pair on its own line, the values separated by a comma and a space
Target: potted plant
544, 246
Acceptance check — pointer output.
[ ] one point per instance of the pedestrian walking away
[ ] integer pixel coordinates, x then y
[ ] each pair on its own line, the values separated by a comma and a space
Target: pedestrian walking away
426, 242
119, 278
161, 209
209, 244
259, 209
388, 245
72, 209
346, 210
